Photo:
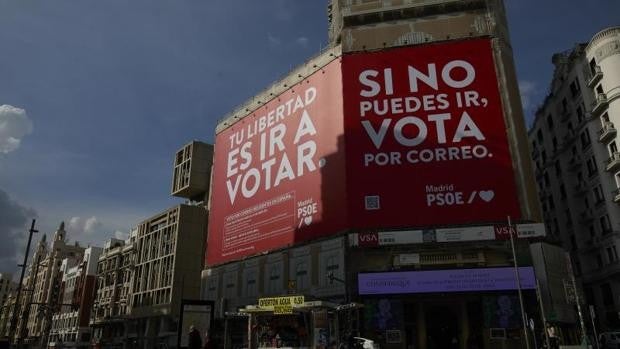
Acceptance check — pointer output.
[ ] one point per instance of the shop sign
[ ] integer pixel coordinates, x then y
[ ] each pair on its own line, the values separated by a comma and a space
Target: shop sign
532, 230
281, 305
455, 280
465, 234
409, 259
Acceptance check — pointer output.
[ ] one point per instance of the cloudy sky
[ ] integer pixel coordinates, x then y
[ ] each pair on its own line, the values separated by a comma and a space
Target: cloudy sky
96, 96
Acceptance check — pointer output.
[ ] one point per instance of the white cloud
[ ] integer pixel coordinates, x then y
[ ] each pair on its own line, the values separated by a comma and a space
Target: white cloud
121, 235
91, 225
273, 41
302, 41
86, 226
14, 125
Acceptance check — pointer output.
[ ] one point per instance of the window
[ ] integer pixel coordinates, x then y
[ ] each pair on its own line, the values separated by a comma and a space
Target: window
580, 113
331, 266
591, 164
546, 178
575, 88
543, 156
558, 169
610, 255
573, 242
605, 224
539, 135
551, 203
599, 260
302, 277
564, 105
251, 286
592, 66
605, 118
585, 139
554, 141
550, 122
608, 295
598, 194
275, 284
613, 148
562, 192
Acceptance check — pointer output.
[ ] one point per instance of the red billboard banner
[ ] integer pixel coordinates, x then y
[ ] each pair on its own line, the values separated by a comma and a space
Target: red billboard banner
279, 173
426, 142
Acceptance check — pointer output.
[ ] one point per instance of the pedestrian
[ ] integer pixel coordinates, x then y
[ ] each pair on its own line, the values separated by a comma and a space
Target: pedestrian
209, 344
194, 341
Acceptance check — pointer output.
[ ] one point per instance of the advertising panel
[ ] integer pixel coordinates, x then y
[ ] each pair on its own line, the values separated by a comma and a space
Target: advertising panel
279, 173
465, 234
456, 280
426, 141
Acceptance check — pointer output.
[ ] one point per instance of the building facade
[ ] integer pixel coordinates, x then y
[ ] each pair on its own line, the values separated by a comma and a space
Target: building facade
574, 149
71, 320
44, 283
114, 280
169, 250
7, 289
343, 246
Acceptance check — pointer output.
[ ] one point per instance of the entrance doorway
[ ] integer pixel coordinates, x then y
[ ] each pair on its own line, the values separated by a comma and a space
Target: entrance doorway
442, 328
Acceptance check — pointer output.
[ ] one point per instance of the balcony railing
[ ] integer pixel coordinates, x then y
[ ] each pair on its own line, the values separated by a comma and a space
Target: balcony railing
599, 104
597, 74
607, 131
613, 162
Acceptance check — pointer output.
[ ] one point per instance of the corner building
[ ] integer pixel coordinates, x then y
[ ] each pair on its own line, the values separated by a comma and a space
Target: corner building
376, 181
574, 145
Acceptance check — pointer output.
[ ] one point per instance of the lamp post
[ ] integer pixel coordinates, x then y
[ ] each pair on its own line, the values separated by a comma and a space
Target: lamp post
514, 259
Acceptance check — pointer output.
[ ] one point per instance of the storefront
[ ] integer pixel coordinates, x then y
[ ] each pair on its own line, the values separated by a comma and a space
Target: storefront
292, 322
455, 308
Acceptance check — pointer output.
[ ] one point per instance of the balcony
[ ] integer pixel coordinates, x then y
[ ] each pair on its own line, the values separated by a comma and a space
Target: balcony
616, 195
597, 74
613, 163
607, 132
599, 104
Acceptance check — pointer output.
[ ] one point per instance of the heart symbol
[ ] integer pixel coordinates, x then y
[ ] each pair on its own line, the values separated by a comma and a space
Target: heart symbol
308, 220
487, 195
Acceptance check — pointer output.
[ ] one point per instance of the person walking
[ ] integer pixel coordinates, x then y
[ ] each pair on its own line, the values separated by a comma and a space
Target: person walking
209, 344
194, 341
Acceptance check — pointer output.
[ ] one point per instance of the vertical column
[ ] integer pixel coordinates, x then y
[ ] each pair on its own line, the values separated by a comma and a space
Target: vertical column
464, 324
421, 325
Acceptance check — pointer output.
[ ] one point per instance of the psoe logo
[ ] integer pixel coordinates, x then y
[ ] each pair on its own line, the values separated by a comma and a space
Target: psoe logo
306, 210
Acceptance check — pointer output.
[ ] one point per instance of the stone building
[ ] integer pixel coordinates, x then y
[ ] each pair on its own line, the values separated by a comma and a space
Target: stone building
574, 145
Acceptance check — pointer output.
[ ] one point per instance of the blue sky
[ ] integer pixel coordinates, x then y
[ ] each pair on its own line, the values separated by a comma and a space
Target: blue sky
107, 91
